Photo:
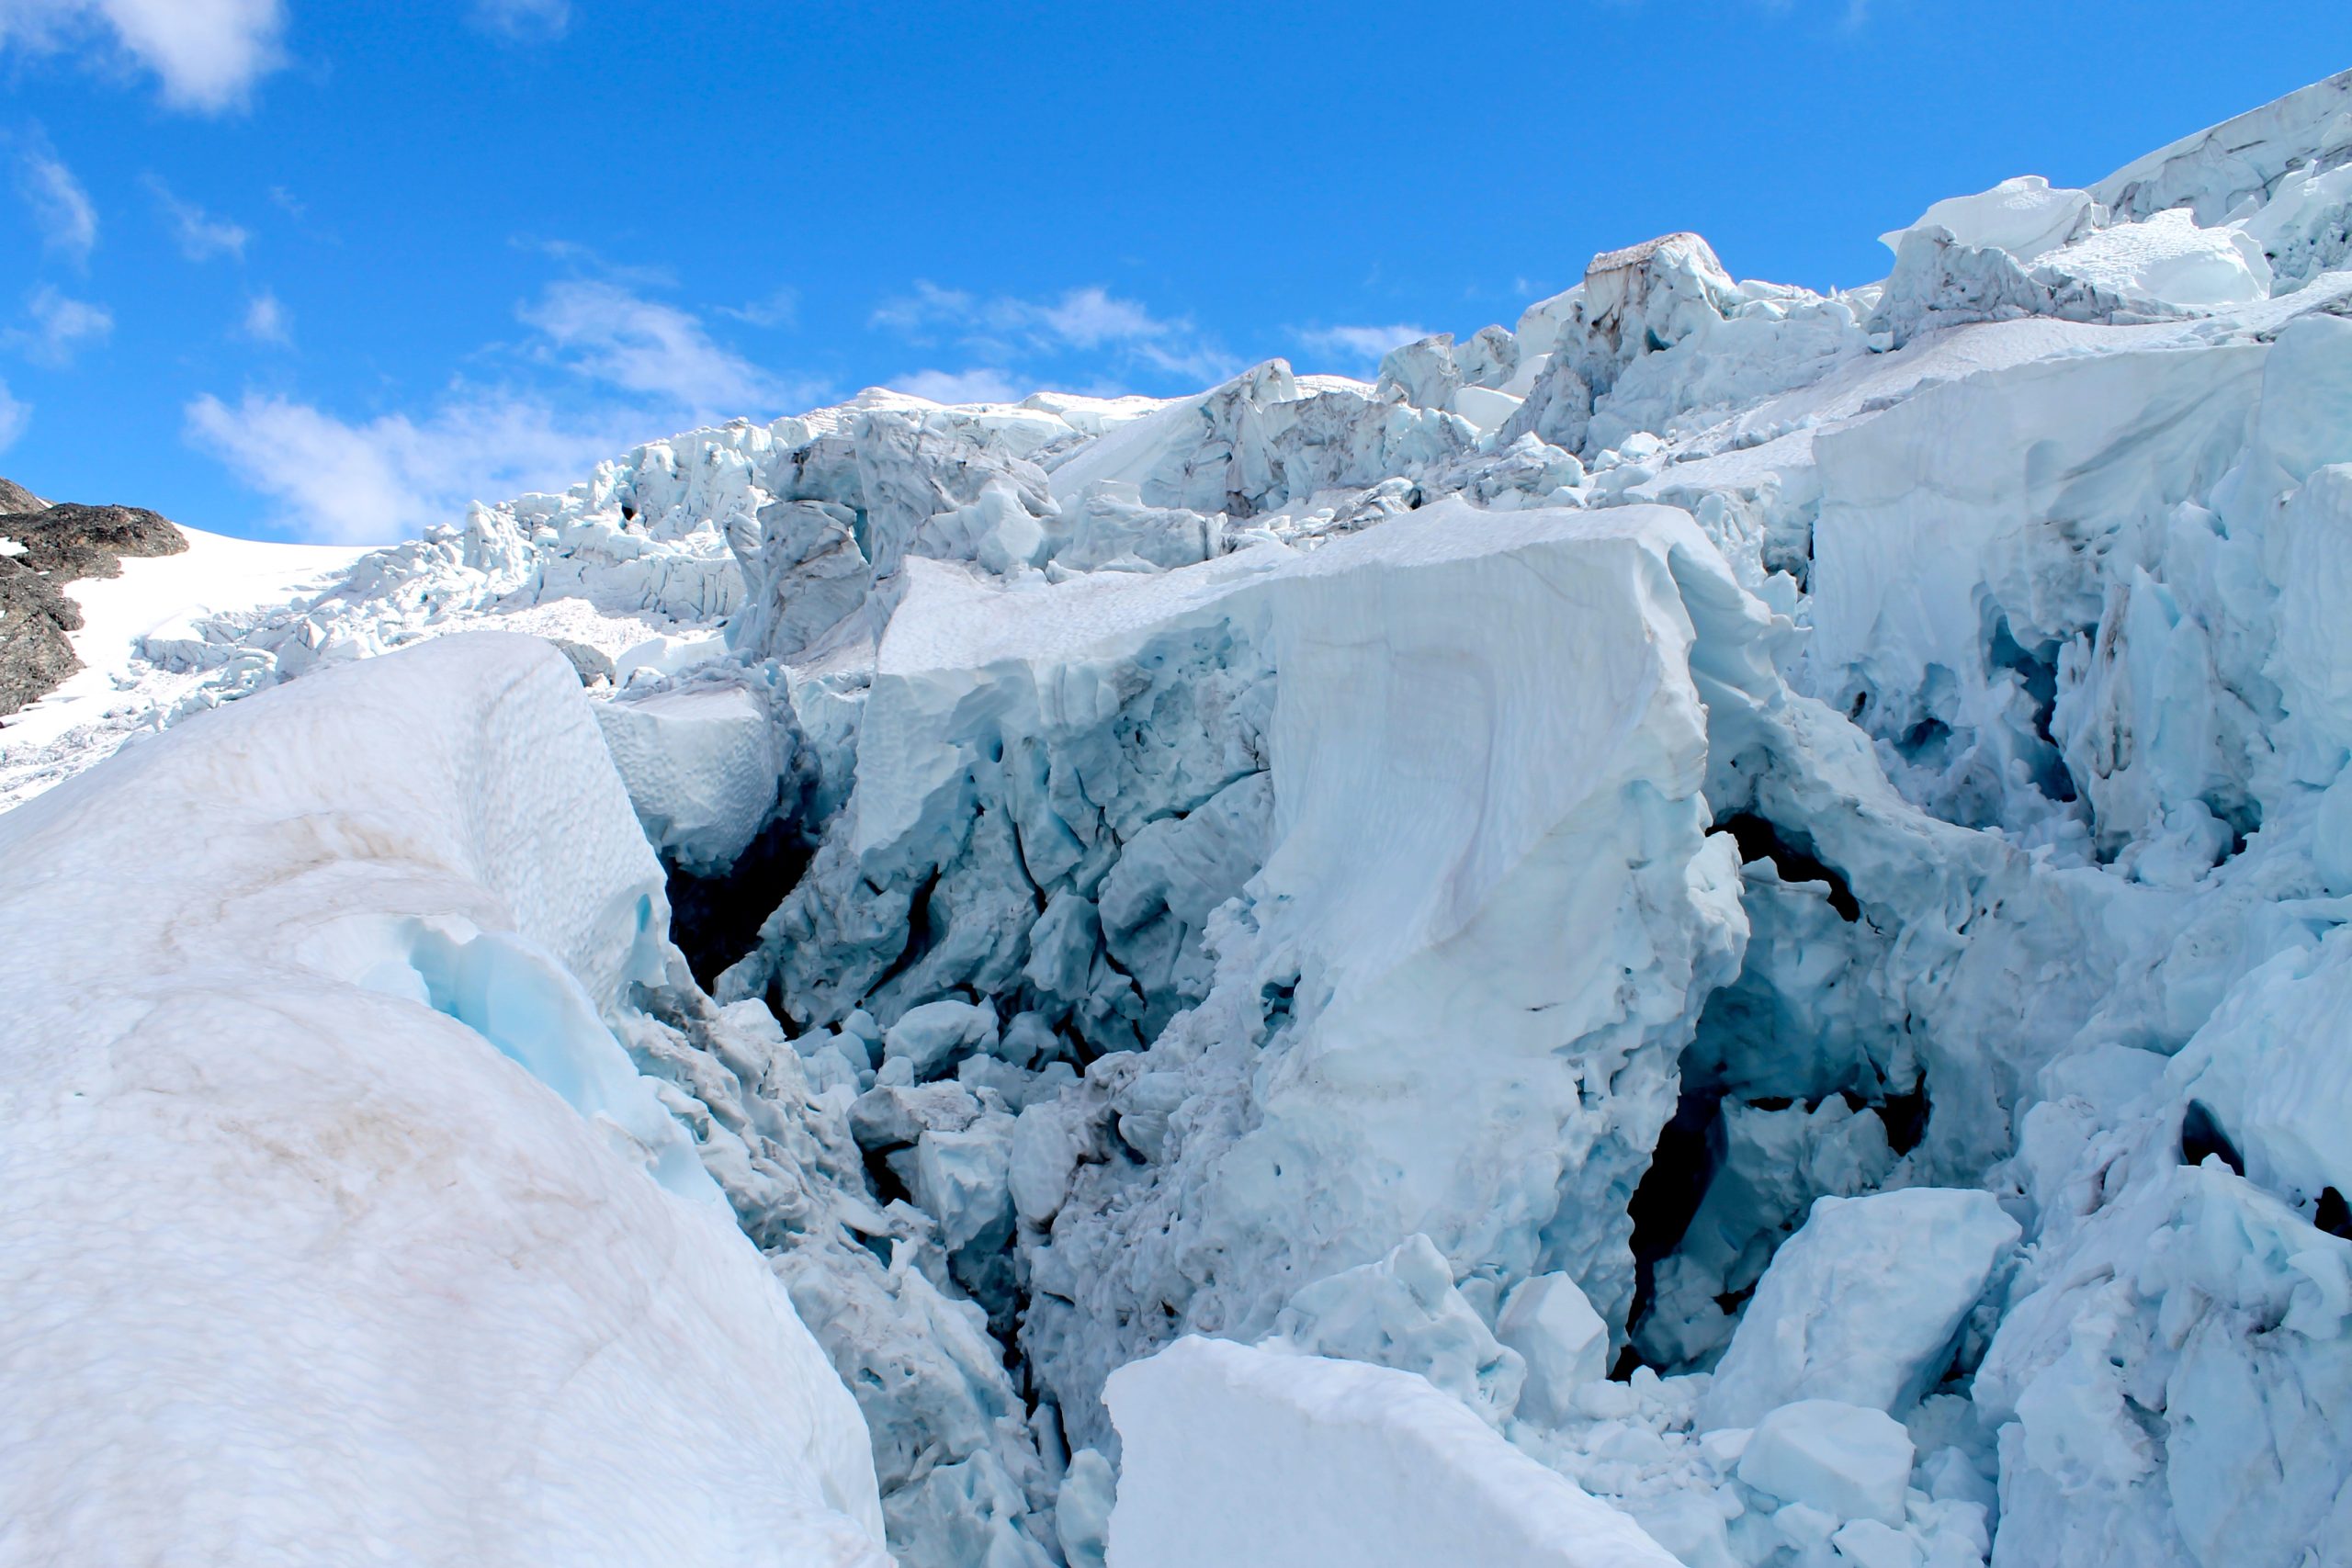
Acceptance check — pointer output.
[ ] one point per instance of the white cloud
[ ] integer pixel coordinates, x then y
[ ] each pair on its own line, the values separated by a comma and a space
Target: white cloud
207, 53
62, 327
266, 321
634, 368
603, 331
531, 21
960, 386
1080, 318
1086, 320
391, 476
1360, 345
779, 308
62, 210
200, 235
14, 417
1086, 316
927, 305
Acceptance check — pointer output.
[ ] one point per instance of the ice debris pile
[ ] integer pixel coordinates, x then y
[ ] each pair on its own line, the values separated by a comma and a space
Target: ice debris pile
1710, 929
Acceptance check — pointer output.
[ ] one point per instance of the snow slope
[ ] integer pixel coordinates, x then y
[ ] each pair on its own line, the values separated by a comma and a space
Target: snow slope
1789, 847
118, 688
307, 1256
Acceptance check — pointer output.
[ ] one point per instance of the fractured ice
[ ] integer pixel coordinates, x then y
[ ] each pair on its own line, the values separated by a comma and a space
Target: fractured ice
1710, 929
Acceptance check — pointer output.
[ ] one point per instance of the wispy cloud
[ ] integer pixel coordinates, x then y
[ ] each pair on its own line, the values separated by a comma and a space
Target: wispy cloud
779, 307
207, 53
266, 321
606, 333
200, 236
604, 367
14, 417
379, 479
1359, 346
586, 260
915, 315
606, 362
1080, 320
960, 386
529, 21
60, 328
62, 210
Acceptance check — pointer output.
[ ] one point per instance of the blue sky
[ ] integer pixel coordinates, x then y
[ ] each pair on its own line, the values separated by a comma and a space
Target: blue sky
329, 268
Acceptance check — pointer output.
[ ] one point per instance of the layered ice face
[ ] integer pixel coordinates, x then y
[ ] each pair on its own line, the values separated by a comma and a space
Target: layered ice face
1707, 929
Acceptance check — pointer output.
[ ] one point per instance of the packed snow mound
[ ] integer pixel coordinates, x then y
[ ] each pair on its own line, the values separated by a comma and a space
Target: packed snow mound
2023, 215
331, 1209
2168, 258
1244, 1457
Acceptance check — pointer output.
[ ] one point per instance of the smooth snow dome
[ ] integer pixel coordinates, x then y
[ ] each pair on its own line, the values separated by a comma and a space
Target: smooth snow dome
1249, 1458
1711, 930
294, 1257
2023, 215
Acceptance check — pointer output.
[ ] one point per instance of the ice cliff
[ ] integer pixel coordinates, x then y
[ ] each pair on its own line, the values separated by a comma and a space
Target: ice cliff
1710, 928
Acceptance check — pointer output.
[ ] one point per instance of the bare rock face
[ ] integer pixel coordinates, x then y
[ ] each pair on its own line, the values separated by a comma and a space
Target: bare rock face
35, 653
48, 547
66, 542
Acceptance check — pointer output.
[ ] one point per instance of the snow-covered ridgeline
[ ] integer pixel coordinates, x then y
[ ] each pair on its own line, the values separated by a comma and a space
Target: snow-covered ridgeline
1455, 872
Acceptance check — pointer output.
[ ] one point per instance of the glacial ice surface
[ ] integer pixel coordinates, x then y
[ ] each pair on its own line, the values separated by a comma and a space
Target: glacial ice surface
1312, 1461
1726, 903
332, 1210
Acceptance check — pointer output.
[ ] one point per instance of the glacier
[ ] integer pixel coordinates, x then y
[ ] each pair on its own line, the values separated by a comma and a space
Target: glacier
1707, 928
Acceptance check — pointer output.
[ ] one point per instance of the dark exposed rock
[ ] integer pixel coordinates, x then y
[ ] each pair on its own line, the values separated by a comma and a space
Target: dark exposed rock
55, 546
66, 543
34, 654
